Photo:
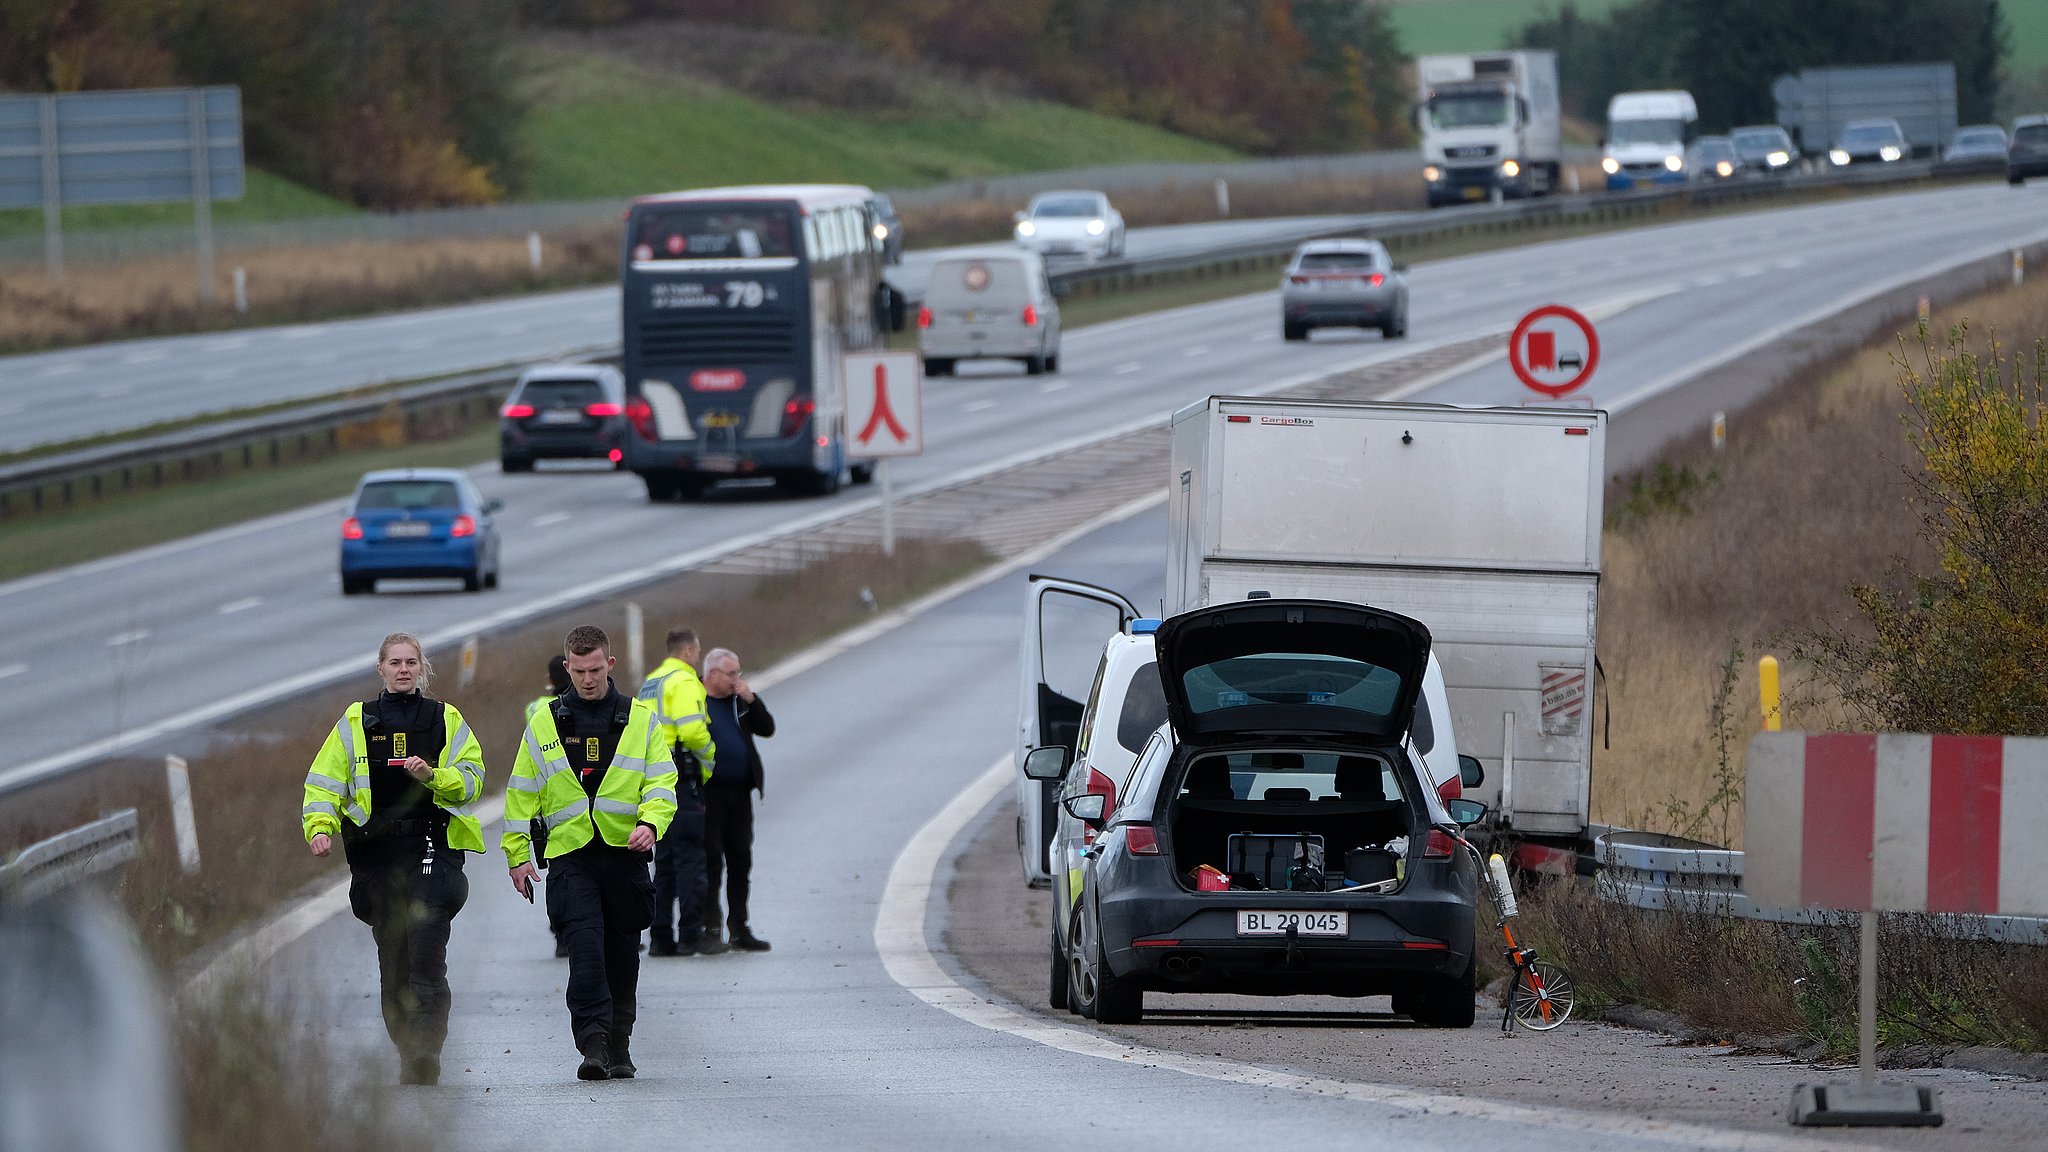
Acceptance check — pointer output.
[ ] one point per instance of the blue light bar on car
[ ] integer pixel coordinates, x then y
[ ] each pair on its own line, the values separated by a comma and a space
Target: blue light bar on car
1144, 626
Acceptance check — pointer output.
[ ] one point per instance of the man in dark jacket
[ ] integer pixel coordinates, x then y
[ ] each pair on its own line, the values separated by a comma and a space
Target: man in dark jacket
736, 715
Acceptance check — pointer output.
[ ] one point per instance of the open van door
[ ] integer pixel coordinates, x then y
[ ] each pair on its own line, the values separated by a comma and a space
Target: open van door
1067, 624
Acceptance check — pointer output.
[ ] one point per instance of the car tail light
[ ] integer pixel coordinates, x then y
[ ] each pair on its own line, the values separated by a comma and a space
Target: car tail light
605, 408
1425, 946
1031, 316
1439, 845
641, 415
1141, 840
351, 529
924, 317
795, 413
516, 411
1451, 789
1377, 279
1297, 279
464, 526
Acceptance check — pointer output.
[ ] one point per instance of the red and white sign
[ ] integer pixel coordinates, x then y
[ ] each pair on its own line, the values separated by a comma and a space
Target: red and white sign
884, 405
718, 380
1897, 823
1564, 698
1554, 350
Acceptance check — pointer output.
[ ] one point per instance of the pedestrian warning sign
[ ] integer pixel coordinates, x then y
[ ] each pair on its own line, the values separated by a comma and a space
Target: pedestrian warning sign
884, 405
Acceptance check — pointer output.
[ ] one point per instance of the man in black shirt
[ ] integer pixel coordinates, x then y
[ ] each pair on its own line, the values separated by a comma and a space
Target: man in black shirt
736, 715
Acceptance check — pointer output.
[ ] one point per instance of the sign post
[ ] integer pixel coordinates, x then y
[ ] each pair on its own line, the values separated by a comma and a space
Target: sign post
884, 419
1554, 351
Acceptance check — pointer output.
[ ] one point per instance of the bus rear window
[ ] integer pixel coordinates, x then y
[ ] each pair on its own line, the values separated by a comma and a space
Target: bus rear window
701, 232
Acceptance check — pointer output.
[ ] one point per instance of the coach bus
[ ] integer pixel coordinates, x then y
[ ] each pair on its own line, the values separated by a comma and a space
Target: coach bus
738, 304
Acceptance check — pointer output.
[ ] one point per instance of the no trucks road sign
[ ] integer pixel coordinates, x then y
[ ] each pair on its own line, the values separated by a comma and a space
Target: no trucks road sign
1554, 350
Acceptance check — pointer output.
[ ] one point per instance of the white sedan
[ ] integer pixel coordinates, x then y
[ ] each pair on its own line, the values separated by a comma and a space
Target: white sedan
1072, 224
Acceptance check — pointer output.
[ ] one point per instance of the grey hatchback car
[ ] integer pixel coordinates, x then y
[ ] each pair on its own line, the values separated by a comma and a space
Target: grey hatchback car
1343, 284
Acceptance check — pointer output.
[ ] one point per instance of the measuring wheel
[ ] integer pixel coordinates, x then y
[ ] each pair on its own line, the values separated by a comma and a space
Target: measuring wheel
1542, 996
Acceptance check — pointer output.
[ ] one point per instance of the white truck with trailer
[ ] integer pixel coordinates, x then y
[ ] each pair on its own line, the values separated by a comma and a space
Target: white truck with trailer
1482, 523
1490, 123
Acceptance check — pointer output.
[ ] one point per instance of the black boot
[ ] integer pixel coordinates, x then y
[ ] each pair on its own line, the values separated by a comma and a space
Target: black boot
425, 1070
621, 1066
597, 1059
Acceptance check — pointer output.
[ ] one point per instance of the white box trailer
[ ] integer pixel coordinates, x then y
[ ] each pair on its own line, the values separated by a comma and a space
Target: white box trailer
1483, 523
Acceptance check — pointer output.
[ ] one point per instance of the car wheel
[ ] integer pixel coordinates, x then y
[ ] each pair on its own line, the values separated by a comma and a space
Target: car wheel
662, 489
1448, 1002
2016, 181
473, 581
1117, 1000
934, 366
515, 464
816, 483
1294, 331
1034, 365
1056, 982
355, 585
1052, 363
491, 581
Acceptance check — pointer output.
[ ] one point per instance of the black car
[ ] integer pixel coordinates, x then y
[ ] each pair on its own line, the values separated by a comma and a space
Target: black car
1277, 838
1765, 149
1876, 141
888, 229
2028, 155
563, 411
1713, 158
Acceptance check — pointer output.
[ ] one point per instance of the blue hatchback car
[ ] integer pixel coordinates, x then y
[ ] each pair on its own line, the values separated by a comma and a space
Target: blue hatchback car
419, 522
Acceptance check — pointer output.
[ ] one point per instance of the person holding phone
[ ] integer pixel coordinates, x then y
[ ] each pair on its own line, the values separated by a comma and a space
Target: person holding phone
397, 782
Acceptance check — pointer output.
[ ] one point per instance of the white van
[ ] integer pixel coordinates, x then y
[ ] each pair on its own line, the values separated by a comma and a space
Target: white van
993, 303
1647, 135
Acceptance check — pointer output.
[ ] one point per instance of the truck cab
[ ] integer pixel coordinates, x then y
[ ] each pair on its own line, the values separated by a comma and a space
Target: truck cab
1647, 136
1489, 124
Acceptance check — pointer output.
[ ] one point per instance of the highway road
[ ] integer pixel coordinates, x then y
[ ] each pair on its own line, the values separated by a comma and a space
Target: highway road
126, 632
132, 384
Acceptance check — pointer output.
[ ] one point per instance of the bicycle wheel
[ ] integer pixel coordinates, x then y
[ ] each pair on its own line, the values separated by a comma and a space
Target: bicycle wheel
1543, 996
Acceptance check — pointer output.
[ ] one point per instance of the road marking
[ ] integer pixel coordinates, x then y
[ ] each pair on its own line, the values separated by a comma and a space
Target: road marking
900, 940
510, 330
416, 344
1751, 270
123, 639
149, 357
61, 370
318, 359
303, 333
240, 605
1788, 263
1053, 386
12, 670
550, 518
111, 391
1708, 281
978, 406
1127, 369
1197, 350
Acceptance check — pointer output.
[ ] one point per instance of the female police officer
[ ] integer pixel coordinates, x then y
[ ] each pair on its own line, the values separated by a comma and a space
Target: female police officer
397, 782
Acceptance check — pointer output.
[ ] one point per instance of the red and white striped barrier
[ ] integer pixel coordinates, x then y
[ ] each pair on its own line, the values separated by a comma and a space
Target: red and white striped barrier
1897, 823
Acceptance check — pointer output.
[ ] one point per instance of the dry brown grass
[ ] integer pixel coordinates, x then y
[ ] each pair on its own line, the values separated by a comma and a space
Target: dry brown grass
1749, 546
158, 295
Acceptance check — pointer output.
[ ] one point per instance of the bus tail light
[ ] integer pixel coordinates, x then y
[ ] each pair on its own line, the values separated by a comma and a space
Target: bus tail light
516, 411
795, 413
1031, 316
465, 525
351, 529
641, 415
605, 408
924, 317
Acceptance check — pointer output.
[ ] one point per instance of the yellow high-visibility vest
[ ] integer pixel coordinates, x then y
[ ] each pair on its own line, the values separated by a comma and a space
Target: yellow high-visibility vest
639, 785
338, 784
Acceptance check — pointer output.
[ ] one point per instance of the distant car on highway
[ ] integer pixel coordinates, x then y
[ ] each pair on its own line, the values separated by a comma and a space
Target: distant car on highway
1765, 149
1712, 158
419, 523
1876, 141
1276, 837
2028, 153
563, 411
1071, 224
989, 303
1974, 148
888, 229
1343, 284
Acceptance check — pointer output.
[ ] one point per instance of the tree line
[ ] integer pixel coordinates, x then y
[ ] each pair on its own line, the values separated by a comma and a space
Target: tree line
1727, 53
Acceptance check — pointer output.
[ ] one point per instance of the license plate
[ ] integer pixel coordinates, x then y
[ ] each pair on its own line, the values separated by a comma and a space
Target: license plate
1643, 183
1475, 193
409, 528
1337, 924
561, 416
722, 420
717, 464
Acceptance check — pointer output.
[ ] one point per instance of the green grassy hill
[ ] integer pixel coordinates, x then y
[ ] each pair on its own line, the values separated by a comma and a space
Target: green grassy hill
264, 197
604, 127
1428, 26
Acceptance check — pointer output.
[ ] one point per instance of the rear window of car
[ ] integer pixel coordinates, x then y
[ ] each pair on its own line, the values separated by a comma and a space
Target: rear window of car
404, 495
1291, 776
1292, 678
1144, 708
702, 232
1068, 206
978, 277
2031, 134
561, 393
1984, 137
1335, 261
1759, 141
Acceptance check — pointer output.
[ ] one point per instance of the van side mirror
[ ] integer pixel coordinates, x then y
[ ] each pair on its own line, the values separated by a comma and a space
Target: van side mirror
1466, 813
1522, 108
1471, 773
1087, 808
491, 506
1047, 763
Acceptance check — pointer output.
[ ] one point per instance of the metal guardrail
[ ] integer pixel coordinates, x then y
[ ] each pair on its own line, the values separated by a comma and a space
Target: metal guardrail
316, 429
60, 862
1672, 874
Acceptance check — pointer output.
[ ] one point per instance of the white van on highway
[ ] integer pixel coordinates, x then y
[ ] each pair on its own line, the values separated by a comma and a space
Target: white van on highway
993, 303
1647, 135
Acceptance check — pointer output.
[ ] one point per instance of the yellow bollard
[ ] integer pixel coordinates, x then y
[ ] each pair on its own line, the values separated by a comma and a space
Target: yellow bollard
1767, 684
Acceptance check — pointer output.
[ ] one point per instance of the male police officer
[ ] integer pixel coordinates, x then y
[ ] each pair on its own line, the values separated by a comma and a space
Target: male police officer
595, 767
678, 698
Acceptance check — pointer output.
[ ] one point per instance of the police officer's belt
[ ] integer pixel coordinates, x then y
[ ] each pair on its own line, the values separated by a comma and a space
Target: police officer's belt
378, 829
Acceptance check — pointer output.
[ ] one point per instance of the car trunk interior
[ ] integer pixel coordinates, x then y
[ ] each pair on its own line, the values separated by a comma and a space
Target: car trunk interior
1290, 820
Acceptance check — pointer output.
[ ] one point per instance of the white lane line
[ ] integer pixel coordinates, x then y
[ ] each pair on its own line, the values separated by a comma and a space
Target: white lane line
900, 939
61, 370
1054, 386
149, 357
550, 518
1127, 369
303, 333
112, 391
1788, 263
317, 359
233, 607
1197, 350
1708, 281
978, 406
417, 343
510, 330
12, 670
1751, 270
123, 639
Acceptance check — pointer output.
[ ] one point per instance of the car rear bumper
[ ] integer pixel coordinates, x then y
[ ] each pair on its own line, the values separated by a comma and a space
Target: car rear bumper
424, 560
556, 445
974, 345
2029, 167
1357, 310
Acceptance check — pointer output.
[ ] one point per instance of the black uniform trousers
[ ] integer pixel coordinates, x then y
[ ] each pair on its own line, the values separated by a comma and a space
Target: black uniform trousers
728, 850
679, 869
602, 898
409, 897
